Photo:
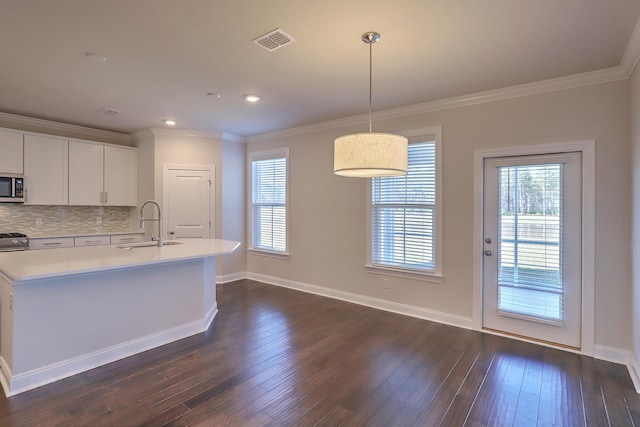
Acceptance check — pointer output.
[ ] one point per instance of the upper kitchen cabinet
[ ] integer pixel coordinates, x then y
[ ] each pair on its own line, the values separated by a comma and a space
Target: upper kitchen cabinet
102, 175
12, 151
120, 176
46, 168
86, 174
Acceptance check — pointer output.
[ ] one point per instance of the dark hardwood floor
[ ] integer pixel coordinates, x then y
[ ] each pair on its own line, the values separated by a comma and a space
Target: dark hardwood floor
278, 357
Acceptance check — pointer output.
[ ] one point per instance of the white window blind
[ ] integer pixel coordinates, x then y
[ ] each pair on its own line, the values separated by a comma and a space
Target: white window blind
530, 270
403, 214
269, 204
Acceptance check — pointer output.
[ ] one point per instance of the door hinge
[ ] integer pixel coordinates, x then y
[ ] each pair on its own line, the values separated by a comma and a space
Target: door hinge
210, 183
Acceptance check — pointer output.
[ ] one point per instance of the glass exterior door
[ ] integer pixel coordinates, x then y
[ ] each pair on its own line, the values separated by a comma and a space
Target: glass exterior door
532, 239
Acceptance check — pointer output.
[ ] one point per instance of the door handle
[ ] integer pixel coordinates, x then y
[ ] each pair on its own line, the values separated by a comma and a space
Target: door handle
487, 252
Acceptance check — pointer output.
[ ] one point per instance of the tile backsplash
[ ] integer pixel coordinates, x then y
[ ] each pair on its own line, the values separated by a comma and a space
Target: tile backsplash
63, 219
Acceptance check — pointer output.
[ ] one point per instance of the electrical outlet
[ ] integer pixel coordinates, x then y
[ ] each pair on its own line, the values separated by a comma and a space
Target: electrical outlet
98, 220
39, 222
385, 283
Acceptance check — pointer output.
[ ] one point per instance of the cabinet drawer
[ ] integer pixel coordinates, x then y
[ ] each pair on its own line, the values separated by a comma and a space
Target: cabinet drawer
51, 243
92, 240
117, 239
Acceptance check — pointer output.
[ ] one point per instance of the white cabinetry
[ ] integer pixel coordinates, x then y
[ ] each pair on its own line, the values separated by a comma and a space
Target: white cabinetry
46, 169
11, 152
86, 177
120, 176
118, 239
102, 175
92, 240
51, 243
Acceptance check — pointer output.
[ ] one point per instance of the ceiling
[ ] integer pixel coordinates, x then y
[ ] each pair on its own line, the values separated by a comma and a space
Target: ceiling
164, 56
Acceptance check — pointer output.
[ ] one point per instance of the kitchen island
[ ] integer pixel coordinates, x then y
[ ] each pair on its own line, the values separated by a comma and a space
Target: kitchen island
65, 311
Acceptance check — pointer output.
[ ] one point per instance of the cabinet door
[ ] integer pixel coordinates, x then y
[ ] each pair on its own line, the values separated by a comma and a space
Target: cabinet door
92, 240
118, 239
46, 170
85, 173
12, 152
51, 243
121, 176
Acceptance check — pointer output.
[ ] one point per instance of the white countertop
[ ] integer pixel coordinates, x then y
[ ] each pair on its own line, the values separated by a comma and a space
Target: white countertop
41, 264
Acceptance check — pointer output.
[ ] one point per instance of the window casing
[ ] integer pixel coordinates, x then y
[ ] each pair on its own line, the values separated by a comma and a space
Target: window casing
404, 216
268, 195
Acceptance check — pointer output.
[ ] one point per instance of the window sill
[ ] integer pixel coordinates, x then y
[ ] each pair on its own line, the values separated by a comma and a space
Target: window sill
404, 274
267, 253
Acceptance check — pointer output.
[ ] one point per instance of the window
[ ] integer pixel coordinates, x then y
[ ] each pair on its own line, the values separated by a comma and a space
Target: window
269, 201
404, 214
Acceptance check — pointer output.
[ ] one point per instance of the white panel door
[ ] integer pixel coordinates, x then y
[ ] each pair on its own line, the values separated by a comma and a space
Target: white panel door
532, 272
189, 197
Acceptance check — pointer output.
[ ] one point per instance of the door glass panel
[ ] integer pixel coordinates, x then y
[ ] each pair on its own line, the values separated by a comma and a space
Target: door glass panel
530, 270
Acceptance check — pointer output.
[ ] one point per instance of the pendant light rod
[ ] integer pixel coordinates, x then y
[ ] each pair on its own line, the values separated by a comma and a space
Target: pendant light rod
370, 155
370, 38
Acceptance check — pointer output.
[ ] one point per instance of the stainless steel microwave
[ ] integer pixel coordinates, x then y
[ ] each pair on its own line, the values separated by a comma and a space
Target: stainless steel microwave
11, 188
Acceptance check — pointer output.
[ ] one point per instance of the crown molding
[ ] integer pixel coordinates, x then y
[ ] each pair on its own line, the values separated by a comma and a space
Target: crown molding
64, 129
186, 133
551, 85
141, 135
632, 52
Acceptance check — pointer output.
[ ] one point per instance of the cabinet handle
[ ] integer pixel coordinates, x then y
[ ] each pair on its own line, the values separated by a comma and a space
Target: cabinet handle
51, 243
126, 239
92, 241
24, 191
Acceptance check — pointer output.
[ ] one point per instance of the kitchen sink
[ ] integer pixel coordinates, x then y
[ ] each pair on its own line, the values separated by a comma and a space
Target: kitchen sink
147, 244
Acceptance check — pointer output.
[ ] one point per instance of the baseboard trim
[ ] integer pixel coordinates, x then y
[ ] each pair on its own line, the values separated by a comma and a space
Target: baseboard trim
394, 307
226, 278
611, 354
15, 384
634, 371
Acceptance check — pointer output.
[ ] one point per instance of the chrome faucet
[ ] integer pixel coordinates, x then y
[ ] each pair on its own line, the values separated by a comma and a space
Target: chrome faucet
158, 220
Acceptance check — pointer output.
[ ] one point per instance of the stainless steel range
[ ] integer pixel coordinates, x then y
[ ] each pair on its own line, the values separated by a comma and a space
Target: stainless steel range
13, 242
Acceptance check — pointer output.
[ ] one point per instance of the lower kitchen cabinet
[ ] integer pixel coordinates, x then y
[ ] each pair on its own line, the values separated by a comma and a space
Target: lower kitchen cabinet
51, 243
92, 240
118, 239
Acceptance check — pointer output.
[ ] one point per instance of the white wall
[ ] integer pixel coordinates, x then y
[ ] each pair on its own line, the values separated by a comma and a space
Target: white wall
187, 150
233, 206
635, 235
328, 213
160, 147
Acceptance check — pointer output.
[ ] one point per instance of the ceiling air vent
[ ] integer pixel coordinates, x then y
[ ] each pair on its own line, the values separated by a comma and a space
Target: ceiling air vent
274, 40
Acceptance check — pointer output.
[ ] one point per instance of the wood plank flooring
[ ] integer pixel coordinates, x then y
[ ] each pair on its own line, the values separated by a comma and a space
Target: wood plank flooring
278, 357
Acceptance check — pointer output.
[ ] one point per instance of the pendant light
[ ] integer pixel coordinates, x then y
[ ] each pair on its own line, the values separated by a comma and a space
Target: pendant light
369, 155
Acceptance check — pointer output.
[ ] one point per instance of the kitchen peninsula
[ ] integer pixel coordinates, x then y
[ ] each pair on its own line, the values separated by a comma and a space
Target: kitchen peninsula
65, 311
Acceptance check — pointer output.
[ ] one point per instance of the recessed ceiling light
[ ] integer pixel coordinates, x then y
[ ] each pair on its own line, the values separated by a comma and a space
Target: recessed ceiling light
214, 95
111, 111
252, 98
170, 122
95, 56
